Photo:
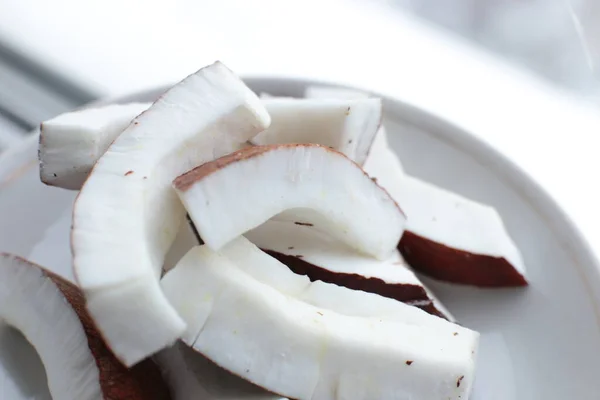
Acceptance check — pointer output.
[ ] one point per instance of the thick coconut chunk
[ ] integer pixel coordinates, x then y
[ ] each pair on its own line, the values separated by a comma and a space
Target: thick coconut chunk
127, 215
449, 237
380, 141
71, 143
348, 126
309, 352
50, 313
316, 255
240, 191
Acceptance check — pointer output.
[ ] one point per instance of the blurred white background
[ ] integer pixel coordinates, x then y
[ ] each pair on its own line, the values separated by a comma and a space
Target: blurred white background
115, 45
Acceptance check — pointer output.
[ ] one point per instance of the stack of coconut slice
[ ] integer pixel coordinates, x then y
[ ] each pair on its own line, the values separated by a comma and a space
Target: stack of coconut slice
288, 272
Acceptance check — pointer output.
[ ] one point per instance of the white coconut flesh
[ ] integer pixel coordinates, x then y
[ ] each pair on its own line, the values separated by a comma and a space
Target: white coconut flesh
348, 126
442, 216
309, 352
270, 271
339, 197
316, 255
127, 215
71, 143
32, 303
380, 141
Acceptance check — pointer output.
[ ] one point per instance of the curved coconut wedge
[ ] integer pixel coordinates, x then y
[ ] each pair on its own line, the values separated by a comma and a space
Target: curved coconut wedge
50, 313
71, 143
341, 198
449, 237
127, 215
309, 252
348, 126
301, 351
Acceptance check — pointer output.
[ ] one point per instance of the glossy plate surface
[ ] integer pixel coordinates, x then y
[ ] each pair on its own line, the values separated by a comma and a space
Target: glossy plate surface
542, 342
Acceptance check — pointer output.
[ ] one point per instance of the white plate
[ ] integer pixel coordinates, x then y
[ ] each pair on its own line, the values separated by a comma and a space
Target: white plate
542, 342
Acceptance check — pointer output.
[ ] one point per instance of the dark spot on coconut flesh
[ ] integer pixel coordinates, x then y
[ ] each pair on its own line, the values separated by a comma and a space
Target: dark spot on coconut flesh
291, 248
374, 180
459, 380
128, 173
54, 175
350, 141
455, 333
348, 111
303, 223
409, 362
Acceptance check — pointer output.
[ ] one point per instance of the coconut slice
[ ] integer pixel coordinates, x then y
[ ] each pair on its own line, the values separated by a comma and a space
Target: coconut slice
310, 352
50, 313
335, 297
126, 215
341, 198
71, 143
380, 141
449, 237
348, 126
316, 255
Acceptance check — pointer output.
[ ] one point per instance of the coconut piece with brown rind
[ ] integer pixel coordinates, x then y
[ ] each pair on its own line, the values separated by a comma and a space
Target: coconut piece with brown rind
50, 312
332, 189
127, 215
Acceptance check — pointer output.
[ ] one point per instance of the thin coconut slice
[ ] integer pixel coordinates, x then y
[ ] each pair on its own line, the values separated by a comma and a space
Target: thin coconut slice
50, 313
126, 215
449, 237
309, 252
348, 126
335, 297
313, 353
240, 191
71, 143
